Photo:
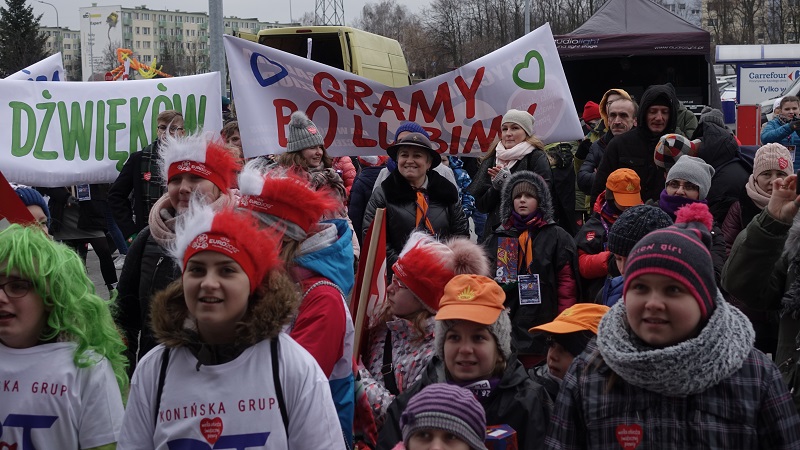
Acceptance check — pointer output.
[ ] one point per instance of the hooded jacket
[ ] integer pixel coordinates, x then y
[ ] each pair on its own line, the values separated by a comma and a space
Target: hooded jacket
230, 387
323, 325
555, 261
517, 401
396, 195
634, 149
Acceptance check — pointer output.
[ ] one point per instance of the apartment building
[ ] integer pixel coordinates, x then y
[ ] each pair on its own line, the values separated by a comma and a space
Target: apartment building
69, 43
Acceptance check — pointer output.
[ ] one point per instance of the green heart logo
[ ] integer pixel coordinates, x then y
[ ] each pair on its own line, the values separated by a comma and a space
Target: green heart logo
528, 85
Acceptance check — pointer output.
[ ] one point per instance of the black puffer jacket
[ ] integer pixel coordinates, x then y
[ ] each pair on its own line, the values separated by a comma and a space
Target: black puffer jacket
487, 198
517, 401
400, 200
360, 194
634, 149
148, 269
587, 172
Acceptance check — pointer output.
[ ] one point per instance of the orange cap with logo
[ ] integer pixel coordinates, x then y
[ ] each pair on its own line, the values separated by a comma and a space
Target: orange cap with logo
470, 297
624, 183
579, 317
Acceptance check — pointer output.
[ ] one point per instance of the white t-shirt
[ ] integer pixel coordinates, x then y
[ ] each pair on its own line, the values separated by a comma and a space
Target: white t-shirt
44, 394
231, 405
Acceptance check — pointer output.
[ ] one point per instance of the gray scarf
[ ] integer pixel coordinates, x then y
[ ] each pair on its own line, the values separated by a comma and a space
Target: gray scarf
687, 368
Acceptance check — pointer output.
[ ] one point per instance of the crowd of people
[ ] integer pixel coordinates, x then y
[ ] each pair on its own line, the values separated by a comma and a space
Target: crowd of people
640, 289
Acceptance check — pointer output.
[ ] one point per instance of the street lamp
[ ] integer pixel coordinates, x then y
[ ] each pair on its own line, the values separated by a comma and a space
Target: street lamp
58, 33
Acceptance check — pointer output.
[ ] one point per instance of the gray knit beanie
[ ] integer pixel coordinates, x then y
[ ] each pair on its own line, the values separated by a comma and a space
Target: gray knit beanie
500, 329
693, 170
522, 118
711, 115
446, 407
303, 133
634, 224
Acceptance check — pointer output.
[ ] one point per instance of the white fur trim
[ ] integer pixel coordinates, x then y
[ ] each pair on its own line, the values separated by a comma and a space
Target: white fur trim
251, 178
187, 148
195, 221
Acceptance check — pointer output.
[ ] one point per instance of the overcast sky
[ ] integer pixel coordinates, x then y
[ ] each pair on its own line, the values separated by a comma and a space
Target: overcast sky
265, 10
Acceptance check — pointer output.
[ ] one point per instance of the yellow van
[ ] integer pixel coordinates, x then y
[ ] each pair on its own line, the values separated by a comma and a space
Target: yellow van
369, 55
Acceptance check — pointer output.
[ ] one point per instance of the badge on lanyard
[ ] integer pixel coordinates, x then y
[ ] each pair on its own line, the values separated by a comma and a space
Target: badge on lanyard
84, 193
529, 290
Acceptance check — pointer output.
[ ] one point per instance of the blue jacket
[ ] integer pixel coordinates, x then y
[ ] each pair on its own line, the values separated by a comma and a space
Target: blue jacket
777, 131
612, 290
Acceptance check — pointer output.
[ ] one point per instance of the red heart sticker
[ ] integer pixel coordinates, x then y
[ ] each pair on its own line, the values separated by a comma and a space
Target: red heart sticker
629, 436
783, 163
146, 176
211, 429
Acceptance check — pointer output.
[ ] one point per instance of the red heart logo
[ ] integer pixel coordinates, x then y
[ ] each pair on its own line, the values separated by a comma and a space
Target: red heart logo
629, 436
4, 445
146, 176
783, 163
211, 429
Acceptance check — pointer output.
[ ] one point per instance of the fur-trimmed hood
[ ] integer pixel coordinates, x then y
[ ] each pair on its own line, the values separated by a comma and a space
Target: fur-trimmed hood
399, 191
271, 307
542, 194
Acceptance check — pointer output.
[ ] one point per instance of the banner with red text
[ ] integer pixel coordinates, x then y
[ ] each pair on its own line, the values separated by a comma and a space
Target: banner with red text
462, 109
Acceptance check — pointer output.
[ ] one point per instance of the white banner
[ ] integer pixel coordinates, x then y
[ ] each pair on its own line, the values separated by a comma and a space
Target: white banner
461, 109
60, 134
48, 69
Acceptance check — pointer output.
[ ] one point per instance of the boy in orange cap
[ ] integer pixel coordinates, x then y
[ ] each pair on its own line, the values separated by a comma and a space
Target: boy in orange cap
567, 337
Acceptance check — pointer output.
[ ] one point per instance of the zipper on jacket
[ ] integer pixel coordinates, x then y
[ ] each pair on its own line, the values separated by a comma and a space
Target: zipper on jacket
155, 271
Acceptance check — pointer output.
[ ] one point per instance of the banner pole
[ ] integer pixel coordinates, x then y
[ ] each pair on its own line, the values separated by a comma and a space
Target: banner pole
366, 280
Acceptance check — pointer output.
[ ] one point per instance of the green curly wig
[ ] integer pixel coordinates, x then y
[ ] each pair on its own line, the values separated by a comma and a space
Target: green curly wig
76, 313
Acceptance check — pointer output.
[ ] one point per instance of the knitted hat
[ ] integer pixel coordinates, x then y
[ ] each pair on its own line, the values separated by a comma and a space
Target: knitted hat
591, 111
442, 406
680, 251
200, 156
777, 103
412, 127
712, 115
32, 197
634, 224
625, 185
522, 118
523, 186
478, 299
772, 156
231, 233
672, 146
425, 265
281, 196
693, 170
418, 140
372, 161
603, 106
303, 133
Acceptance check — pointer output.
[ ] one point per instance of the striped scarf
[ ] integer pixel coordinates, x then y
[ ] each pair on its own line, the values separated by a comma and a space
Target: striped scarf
422, 212
527, 226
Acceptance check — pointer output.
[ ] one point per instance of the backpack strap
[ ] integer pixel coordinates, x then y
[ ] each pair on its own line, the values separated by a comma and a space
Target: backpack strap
273, 345
322, 283
162, 376
387, 369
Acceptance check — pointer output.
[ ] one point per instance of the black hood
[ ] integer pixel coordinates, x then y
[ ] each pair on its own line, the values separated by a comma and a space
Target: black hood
649, 97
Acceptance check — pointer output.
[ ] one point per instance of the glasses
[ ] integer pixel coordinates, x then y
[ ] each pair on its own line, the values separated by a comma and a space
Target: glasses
16, 288
396, 281
687, 187
172, 129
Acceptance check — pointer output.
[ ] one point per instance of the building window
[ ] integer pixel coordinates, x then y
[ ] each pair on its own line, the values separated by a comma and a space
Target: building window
146, 44
138, 44
145, 30
137, 30
146, 16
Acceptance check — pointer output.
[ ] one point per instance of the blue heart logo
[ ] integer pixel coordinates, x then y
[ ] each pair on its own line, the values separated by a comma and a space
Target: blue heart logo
282, 73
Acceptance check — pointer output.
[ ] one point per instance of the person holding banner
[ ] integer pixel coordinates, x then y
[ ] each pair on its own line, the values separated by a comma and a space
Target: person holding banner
138, 187
416, 197
473, 351
319, 257
193, 165
517, 149
62, 365
224, 372
401, 345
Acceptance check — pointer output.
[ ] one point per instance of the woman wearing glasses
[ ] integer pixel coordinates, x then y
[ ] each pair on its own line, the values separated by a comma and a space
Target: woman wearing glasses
688, 181
401, 345
62, 366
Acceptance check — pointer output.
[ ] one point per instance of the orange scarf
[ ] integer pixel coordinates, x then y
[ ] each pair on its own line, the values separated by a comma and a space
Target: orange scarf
526, 246
422, 212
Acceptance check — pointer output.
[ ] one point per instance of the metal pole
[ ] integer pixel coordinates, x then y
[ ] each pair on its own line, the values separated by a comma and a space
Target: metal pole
58, 33
217, 52
527, 16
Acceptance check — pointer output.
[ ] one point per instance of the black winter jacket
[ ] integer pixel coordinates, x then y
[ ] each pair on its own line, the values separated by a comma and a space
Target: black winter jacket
586, 173
487, 198
129, 183
360, 193
148, 269
634, 149
517, 401
396, 195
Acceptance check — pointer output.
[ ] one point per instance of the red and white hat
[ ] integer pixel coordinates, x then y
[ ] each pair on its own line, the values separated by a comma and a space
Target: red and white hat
282, 196
231, 233
426, 265
199, 155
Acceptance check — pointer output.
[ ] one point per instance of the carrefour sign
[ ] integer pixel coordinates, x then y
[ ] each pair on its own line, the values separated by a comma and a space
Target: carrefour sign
759, 83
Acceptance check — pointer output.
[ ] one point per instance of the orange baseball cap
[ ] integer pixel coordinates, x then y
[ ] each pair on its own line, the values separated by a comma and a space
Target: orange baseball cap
624, 183
579, 317
470, 297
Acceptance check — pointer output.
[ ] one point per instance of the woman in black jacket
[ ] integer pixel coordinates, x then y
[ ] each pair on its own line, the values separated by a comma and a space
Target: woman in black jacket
416, 197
